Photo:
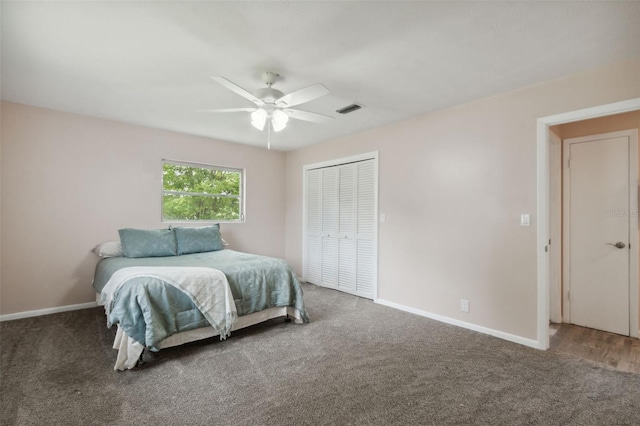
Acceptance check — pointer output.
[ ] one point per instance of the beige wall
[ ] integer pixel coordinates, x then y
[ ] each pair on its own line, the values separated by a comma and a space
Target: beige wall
69, 182
453, 185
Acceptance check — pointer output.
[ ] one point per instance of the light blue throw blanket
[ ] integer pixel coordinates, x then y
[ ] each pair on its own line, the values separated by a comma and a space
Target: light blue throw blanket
150, 310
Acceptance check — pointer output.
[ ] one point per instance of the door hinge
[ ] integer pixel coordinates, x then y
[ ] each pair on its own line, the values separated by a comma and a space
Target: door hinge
549, 241
546, 249
568, 295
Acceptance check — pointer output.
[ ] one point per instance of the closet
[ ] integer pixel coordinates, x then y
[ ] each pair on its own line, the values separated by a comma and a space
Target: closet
341, 209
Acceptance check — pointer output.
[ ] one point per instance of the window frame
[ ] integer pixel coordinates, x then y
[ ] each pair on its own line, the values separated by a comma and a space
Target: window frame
241, 198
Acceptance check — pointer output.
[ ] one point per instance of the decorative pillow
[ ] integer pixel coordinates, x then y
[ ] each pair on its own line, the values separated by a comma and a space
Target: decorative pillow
198, 240
148, 242
109, 249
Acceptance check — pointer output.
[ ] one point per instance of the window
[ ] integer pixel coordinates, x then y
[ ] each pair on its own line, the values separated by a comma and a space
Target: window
198, 192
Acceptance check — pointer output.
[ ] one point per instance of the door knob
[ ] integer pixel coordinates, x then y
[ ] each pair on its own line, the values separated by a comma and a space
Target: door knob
619, 245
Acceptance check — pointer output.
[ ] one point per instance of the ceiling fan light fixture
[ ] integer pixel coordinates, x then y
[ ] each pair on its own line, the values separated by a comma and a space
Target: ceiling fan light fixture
259, 118
279, 120
273, 108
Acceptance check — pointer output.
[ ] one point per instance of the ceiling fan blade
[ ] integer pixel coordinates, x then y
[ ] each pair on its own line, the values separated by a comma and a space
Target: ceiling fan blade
301, 96
237, 89
313, 117
228, 110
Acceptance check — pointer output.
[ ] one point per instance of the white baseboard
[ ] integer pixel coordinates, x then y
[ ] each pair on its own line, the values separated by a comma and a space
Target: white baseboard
40, 312
485, 330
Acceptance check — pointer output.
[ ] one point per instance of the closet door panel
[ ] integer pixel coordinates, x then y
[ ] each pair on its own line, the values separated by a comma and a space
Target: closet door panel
346, 201
330, 207
347, 265
330, 202
314, 202
314, 226
365, 229
366, 198
314, 259
330, 262
365, 268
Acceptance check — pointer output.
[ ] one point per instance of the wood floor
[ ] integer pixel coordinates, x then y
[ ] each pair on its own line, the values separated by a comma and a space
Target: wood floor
619, 352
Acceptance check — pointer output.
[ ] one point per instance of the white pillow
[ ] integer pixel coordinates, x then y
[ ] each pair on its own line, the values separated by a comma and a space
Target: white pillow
109, 249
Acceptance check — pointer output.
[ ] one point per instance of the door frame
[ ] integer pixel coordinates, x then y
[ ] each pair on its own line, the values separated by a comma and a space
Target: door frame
373, 155
555, 228
633, 236
543, 177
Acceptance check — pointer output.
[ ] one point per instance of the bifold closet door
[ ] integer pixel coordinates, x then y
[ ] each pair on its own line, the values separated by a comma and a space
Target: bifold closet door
341, 227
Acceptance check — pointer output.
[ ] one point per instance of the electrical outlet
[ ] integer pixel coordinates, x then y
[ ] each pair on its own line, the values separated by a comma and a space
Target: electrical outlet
464, 305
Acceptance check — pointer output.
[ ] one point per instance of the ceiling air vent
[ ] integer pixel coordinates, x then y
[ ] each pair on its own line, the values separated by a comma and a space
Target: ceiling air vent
349, 108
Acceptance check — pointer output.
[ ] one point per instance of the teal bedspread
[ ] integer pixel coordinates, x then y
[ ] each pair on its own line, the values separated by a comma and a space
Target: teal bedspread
150, 310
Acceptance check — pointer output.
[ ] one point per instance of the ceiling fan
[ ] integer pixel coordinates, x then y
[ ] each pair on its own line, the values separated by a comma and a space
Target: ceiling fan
273, 108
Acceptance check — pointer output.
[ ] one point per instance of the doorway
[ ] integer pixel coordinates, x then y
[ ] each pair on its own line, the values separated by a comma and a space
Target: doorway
547, 284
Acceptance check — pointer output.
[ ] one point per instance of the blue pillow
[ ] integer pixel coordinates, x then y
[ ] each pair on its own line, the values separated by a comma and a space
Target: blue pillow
198, 240
147, 242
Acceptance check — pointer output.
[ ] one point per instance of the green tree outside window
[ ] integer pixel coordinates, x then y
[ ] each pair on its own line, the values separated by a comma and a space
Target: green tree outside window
193, 192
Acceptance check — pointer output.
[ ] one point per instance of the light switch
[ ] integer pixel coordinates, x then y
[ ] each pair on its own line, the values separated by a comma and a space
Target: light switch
525, 219
383, 217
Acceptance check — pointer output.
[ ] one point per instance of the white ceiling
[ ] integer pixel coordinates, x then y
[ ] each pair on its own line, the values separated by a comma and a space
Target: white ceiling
149, 63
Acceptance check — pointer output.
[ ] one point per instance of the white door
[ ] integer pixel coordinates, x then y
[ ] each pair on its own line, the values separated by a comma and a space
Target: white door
330, 214
366, 256
314, 226
341, 227
596, 232
346, 231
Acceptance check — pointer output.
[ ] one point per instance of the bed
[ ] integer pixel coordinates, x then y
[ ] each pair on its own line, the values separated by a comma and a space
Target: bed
150, 299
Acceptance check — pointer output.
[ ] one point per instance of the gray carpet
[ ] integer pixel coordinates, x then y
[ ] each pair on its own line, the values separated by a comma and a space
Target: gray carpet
356, 363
